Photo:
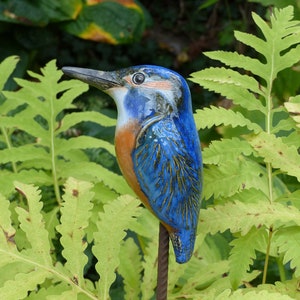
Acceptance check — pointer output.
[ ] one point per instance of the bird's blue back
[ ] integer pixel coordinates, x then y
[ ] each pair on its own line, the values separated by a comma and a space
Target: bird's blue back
168, 165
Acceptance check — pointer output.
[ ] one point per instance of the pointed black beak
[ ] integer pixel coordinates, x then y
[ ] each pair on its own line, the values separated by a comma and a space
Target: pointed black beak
99, 79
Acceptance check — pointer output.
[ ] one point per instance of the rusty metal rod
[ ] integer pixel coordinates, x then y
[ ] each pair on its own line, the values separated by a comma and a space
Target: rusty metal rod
163, 264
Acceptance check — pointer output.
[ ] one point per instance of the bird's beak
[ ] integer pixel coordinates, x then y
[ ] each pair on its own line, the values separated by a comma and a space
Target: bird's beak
99, 79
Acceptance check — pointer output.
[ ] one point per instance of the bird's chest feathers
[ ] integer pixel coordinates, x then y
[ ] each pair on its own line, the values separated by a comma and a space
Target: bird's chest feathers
125, 142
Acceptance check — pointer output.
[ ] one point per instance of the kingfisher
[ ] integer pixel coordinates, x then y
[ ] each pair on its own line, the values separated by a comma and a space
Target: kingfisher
157, 144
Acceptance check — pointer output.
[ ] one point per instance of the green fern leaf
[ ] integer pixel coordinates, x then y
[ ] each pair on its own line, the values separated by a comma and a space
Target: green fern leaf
230, 177
240, 217
7, 66
293, 107
213, 116
32, 223
288, 287
82, 142
94, 172
7, 230
273, 150
75, 213
243, 254
116, 218
250, 295
130, 268
22, 283
150, 269
236, 60
89, 116
288, 242
23, 153
282, 34
232, 85
226, 149
201, 275
25, 176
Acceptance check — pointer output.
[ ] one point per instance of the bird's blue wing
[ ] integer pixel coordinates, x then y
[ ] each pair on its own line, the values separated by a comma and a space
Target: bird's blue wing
169, 172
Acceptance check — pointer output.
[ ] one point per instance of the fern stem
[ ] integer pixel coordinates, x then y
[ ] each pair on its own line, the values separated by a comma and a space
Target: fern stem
9, 146
269, 122
264, 279
53, 156
53, 271
281, 269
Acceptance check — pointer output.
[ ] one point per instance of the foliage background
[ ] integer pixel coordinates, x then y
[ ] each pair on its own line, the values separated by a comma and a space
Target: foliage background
75, 141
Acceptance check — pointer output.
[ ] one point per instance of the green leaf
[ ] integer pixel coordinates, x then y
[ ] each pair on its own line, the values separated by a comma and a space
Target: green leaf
18, 287
236, 60
244, 294
274, 151
94, 22
226, 149
32, 223
231, 85
90, 116
293, 107
240, 217
112, 224
75, 214
94, 172
7, 66
243, 254
130, 268
288, 243
215, 116
82, 142
230, 177
150, 269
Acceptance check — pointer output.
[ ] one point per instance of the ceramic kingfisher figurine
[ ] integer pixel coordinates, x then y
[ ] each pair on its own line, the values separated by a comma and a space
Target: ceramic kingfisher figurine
157, 144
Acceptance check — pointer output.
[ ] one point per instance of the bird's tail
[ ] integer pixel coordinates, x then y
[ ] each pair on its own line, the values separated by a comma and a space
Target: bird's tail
183, 243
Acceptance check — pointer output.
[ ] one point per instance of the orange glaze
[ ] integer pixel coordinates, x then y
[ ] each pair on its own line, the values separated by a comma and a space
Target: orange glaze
125, 141
161, 84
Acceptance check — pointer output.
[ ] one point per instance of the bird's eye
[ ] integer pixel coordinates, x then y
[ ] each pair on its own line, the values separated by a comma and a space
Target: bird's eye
138, 78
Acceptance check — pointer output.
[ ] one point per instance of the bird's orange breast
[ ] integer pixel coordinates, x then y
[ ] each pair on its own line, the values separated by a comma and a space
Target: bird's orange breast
125, 141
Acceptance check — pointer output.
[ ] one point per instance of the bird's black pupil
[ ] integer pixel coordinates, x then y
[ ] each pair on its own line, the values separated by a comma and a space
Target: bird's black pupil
138, 78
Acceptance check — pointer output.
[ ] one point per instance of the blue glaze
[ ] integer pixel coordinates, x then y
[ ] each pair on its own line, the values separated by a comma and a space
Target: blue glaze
168, 165
166, 157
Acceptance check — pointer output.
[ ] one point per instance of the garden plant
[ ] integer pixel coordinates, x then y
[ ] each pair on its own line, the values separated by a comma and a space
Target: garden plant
71, 228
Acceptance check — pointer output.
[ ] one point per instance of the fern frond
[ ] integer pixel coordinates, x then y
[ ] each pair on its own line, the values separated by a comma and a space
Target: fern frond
130, 268
213, 116
75, 214
230, 177
201, 275
95, 172
82, 142
288, 243
116, 218
7, 231
7, 66
19, 287
236, 60
150, 270
23, 153
240, 217
244, 294
273, 150
25, 176
293, 107
72, 119
32, 223
232, 85
226, 149
243, 254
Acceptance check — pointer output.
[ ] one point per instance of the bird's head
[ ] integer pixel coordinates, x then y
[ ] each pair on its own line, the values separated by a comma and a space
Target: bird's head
140, 92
